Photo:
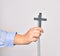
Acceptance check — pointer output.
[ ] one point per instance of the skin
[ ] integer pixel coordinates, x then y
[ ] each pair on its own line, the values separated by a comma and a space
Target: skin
32, 35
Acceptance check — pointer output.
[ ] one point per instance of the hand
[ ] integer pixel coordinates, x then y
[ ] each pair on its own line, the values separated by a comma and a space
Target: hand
32, 35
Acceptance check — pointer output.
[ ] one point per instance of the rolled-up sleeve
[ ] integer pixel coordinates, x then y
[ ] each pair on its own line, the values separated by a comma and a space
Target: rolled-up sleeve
7, 38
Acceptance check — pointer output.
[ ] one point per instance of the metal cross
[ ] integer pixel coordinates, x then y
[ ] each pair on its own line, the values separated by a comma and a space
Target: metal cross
39, 19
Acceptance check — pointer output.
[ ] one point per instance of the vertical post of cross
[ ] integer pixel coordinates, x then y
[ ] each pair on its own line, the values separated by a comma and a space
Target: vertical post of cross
39, 19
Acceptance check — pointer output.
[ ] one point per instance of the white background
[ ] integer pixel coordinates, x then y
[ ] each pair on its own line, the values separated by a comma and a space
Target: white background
18, 16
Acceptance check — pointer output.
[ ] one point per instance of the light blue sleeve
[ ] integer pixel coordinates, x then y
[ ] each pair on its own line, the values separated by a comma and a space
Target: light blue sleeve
7, 38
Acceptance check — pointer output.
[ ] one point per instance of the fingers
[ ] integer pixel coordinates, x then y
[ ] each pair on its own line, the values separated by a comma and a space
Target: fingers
33, 34
34, 39
37, 28
36, 33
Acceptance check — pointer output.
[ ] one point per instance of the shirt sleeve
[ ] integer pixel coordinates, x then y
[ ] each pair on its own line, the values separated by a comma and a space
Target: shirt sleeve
7, 38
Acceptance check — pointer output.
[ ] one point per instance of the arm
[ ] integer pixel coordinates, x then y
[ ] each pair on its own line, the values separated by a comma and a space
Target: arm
11, 38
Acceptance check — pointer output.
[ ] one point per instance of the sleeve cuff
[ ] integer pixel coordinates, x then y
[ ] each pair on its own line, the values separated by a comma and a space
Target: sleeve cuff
9, 41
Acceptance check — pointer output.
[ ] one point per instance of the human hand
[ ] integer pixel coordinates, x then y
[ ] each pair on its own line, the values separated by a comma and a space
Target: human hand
32, 35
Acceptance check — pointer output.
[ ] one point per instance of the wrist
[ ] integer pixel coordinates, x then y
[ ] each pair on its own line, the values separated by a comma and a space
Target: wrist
18, 39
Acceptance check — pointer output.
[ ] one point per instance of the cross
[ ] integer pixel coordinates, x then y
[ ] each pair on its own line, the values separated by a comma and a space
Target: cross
40, 19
